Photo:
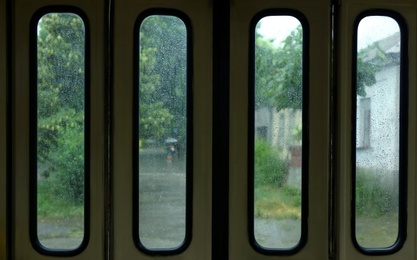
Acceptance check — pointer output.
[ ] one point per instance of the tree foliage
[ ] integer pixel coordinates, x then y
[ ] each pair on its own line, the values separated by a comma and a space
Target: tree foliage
61, 103
278, 71
367, 67
60, 85
279, 75
166, 37
154, 118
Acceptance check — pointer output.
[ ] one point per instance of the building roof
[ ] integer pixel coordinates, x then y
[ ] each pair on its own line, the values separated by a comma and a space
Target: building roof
389, 46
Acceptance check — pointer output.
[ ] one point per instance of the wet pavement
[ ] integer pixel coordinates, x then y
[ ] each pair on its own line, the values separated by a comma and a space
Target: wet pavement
276, 234
66, 234
162, 210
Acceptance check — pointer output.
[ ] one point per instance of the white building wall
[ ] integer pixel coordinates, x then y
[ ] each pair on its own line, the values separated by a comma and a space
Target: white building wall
383, 151
263, 122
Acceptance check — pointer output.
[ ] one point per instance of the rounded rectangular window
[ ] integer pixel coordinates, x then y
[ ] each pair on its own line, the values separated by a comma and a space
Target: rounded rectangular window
278, 132
59, 132
380, 123
162, 133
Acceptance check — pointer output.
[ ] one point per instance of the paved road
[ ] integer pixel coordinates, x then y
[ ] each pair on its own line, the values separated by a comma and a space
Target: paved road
162, 209
273, 233
61, 233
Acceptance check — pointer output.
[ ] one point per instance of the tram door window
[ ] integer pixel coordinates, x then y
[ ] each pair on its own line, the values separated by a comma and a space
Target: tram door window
379, 184
278, 121
58, 148
375, 172
163, 147
162, 105
59, 137
277, 154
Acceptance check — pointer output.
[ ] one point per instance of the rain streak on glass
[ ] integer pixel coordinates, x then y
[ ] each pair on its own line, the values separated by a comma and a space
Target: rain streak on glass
377, 132
278, 132
60, 131
162, 132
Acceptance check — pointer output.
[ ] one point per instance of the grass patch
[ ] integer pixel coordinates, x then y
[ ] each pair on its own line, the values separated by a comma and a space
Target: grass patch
277, 203
55, 207
377, 232
377, 205
375, 196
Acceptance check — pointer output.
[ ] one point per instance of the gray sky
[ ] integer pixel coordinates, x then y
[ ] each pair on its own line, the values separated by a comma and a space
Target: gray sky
374, 28
370, 29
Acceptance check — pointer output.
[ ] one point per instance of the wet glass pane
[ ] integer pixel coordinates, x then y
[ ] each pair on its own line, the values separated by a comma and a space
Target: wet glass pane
278, 132
60, 130
377, 131
162, 132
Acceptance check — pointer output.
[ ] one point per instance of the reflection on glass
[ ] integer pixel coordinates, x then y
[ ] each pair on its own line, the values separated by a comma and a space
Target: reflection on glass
278, 132
377, 132
162, 132
60, 130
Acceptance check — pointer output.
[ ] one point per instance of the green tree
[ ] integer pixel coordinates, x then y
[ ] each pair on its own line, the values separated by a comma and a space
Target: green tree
167, 35
154, 118
278, 71
61, 103
367, 67
60, 86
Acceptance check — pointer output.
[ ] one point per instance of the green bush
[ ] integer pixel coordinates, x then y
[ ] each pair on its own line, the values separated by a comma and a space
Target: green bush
293, 194
52, 206
374, 198
270, 169
67, 176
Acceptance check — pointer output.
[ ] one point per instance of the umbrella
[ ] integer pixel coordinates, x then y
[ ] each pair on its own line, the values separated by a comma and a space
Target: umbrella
171, 140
